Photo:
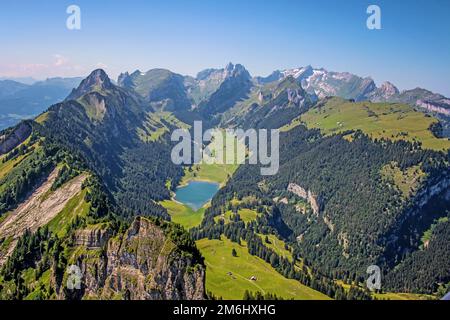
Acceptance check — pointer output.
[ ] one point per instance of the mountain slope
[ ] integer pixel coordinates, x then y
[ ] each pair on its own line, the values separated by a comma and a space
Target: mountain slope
101, 125
70, 187
36, 211
344, 201
235, 87
392, 121
163, 89
270, 106
325, 83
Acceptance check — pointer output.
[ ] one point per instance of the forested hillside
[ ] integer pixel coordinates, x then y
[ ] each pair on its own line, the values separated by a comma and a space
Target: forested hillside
362, 201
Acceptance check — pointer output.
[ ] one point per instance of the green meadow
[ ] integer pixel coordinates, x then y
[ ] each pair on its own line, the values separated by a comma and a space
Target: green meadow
246, 215
157, 124
219, 173
211, 169
407, 181
215, 172
183, 214
402, 296
390, 295
229, 277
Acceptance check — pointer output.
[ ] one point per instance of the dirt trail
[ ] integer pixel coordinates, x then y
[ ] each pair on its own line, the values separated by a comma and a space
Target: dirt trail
36, 212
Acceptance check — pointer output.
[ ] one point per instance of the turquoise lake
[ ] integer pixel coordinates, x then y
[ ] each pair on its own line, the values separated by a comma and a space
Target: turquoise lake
196, 193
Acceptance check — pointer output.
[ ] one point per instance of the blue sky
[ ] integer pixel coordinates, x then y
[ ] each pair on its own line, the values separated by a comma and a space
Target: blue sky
186, 36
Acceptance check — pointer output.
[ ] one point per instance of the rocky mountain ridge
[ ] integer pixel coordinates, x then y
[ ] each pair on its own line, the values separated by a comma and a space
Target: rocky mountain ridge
349, 86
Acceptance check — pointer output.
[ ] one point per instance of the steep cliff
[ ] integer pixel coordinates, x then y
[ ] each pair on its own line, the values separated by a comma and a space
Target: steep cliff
307, 195
142, 263
18, 135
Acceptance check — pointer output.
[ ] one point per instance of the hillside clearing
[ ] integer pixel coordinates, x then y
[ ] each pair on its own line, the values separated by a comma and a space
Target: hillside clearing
228, 277
183, 214
246, 215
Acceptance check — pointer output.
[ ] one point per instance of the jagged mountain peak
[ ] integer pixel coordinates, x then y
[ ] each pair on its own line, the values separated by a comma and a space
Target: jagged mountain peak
230, 70
235, 70
299, 73
98, 77
388, 88
98, 80
274, 76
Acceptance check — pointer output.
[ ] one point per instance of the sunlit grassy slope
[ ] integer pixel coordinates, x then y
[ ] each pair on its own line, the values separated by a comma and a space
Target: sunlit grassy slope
246, 215
229, 277
183, 214
76, 207
379, 120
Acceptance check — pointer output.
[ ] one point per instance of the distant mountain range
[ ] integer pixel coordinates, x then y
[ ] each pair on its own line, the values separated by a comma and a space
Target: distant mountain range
213, 89
349, 86
20, 101
24, 80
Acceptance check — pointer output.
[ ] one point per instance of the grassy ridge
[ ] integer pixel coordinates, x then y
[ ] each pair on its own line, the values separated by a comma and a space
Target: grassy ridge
379, 120
7, 166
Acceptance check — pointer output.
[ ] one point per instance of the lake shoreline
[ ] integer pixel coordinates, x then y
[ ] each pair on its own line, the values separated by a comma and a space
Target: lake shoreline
195, 193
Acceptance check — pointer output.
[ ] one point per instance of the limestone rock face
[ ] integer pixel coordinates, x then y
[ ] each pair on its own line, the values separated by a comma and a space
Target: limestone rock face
16, 137
307, 195
91, 238
140, 264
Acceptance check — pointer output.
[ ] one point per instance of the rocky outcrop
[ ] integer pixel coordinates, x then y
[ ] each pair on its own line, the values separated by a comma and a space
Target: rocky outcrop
385, 92
307, 195
295, 96
435, 107
297, 190
426, 194
140, 264
92, 238
18, 135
